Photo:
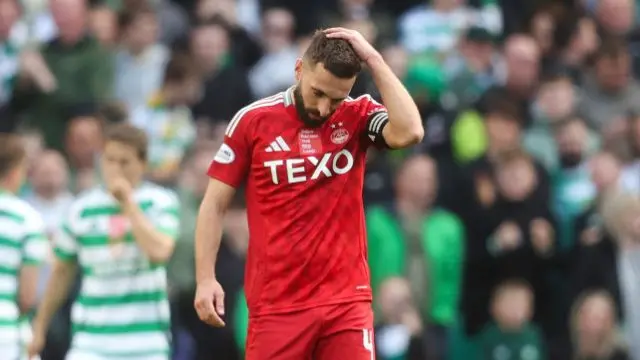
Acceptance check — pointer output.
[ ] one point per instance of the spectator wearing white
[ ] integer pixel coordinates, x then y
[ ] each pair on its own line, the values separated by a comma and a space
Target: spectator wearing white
49, 188
272, 73
141, 59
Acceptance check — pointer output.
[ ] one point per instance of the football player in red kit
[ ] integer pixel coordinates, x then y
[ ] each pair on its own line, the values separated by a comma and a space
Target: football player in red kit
302, 156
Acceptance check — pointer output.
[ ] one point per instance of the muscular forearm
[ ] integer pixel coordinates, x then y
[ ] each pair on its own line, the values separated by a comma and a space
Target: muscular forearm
208, 237
57, 291
156, 245
405, 125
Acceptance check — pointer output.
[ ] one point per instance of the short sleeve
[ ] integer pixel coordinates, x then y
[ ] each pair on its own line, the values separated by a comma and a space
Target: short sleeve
232, 161
34, 244
65, 243
165, 214
376, 118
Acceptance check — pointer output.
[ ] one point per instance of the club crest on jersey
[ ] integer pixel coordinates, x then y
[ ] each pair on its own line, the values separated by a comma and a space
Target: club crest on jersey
340, 135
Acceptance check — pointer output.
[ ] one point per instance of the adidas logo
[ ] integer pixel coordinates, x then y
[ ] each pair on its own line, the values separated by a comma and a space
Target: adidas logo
278, 145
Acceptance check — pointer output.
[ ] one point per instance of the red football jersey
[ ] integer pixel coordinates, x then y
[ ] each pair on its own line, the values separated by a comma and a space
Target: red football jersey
307, 244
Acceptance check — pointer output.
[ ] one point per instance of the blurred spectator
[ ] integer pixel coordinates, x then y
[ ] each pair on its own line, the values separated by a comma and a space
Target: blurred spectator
616, 17
361, 10
70, 69
434, 28
83, 145
173, 20
141, 60
574, 40
9, 59
168, 121
621, 213
50, 193
511, 235
103, 22
610, 93
572, 187
273, 73
630, 177
423, 243
399, 328
226, 88
594, 330
472, 69
522, 58
554, 104
243, 48
511, 334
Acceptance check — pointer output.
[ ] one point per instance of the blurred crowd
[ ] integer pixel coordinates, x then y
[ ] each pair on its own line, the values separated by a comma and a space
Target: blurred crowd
511, 232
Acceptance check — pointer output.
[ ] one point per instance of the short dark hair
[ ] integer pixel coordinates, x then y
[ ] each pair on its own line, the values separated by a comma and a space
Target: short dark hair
127, 134
12, 153
611, 47
509, 284
337, 55
180, 68
130, 16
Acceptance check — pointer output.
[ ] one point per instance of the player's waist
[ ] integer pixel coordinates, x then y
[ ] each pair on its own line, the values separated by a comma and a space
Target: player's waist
288, 307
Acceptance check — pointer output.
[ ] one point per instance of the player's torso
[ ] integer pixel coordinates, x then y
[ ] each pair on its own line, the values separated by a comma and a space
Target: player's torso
121, 288
291, 160
304, 193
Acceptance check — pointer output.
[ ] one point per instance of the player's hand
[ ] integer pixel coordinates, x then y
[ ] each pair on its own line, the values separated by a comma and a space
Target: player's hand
209, 302
121, 189
362, 47
36, 345
542, 236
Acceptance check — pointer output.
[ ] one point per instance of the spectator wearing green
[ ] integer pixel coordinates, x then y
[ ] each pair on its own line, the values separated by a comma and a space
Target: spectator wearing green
23, 248
72, 68
423, 244
511, 335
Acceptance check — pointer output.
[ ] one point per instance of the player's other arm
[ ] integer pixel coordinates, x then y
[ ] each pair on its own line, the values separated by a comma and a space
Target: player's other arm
227, 171
209, 228
404, 127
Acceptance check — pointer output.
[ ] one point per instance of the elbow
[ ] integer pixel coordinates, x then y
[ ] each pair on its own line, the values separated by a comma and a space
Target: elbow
408, 138
415, 135
27, 302
162, 252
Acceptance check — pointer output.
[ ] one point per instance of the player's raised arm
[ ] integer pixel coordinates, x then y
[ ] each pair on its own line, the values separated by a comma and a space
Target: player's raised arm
404, 126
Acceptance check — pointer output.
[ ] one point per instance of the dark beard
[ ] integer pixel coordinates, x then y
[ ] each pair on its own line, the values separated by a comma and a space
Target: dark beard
304, 113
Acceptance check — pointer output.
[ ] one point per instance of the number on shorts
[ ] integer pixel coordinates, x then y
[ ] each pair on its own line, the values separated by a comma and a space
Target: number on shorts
367, 340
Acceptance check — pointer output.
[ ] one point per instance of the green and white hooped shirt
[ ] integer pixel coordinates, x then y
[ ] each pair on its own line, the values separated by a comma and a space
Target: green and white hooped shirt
122, 311
23, 242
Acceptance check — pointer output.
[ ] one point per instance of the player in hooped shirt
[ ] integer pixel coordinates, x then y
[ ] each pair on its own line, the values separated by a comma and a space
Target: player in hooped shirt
302, 156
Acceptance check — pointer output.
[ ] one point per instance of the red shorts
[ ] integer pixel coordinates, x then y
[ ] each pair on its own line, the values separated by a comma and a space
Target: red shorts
343, 331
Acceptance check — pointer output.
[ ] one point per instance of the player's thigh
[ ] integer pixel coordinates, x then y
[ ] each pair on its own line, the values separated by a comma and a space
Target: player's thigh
348, 344
282, 336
